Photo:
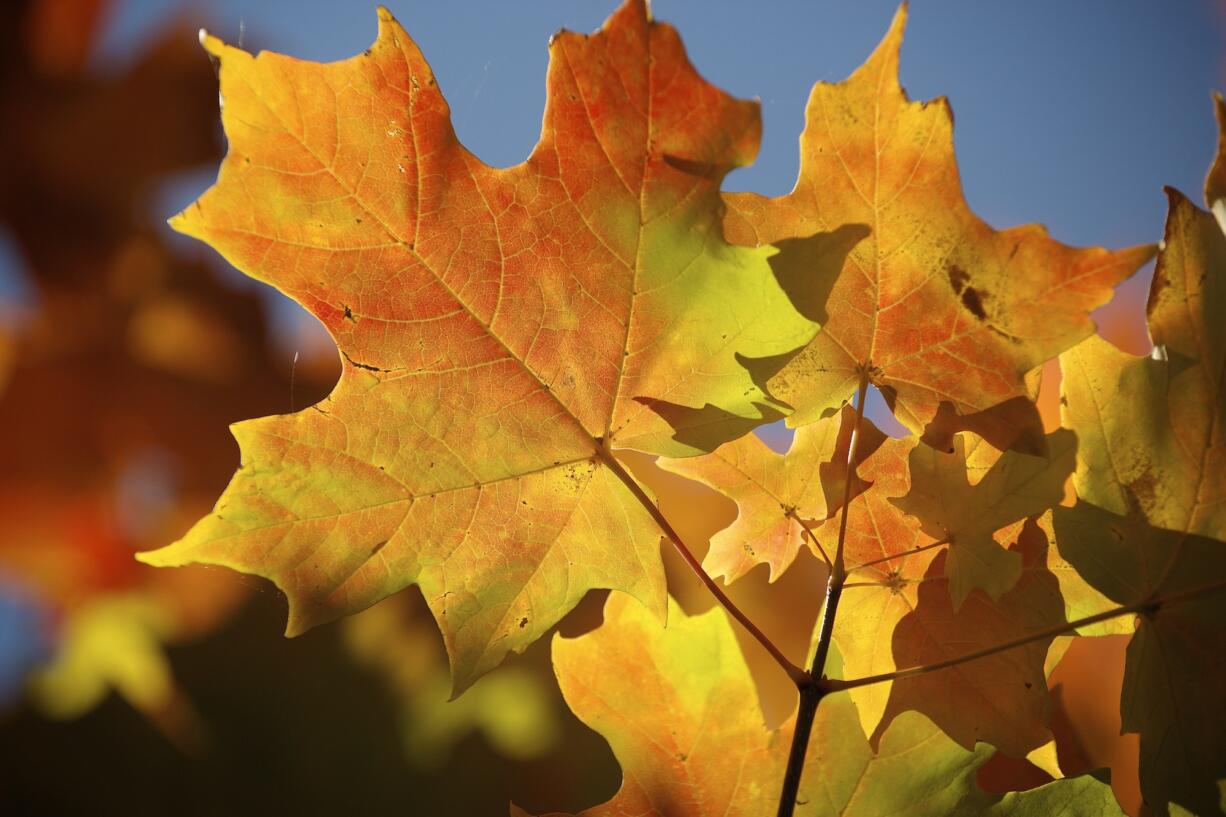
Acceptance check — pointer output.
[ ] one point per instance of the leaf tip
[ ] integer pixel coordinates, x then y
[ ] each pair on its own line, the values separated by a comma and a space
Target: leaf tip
898, 28
211, 43
390, 28
295, 626
161, 557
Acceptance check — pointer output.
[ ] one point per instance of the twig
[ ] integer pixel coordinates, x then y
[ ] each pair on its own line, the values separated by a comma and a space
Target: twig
812, 692
904, 554
797, 674
1149, 607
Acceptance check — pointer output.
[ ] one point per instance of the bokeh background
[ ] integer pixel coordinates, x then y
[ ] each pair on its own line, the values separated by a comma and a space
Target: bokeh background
126, 350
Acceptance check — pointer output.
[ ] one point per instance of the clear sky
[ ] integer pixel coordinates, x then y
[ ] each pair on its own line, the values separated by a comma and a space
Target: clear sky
1070, 113
1074, 114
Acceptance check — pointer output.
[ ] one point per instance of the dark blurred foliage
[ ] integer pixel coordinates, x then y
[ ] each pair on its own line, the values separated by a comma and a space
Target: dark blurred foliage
173, 691
294, 728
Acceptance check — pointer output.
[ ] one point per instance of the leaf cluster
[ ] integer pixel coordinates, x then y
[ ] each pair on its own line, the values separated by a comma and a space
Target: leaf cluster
505, 333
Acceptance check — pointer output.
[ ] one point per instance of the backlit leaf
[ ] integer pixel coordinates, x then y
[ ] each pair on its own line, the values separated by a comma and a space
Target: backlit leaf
1016, 486
777, 495
503, 329
935, 304
1151, 520
675, 706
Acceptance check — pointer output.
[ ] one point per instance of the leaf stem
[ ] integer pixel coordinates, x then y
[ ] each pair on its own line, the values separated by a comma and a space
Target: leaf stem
808, 531
811, 693
797, 674
902, 555
1148, 607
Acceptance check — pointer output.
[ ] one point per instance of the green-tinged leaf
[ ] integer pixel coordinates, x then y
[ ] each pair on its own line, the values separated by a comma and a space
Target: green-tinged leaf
676, 706
1151, 520
503, 330
950, 507
1175, 673
777, 495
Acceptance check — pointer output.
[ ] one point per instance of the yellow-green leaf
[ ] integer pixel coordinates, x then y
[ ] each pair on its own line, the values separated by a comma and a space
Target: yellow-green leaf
677, 706
503, 330
1015, 487
1151, 518
777, 495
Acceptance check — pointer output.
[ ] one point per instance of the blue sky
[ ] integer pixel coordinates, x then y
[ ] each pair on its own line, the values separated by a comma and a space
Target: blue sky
1074, 114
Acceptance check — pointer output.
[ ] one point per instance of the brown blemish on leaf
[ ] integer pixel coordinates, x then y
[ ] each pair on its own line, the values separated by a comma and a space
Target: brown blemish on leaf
973, 300
957, 278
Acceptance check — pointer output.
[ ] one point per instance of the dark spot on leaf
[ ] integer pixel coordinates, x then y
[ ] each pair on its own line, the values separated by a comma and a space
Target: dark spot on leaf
1141, 492
1028, 685
957, 278
523, 622
973, 301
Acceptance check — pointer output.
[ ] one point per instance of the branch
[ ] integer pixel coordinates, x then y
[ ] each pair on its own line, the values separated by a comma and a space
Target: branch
904, 554
798, 675
1148, 607
811, 693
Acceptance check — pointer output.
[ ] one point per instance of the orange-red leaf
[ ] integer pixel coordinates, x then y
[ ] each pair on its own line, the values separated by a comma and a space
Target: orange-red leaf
504, 330
936, 304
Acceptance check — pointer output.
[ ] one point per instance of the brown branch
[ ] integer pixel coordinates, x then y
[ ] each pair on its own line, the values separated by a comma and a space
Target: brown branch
811, 693
797, 674
902, 555
1148, 607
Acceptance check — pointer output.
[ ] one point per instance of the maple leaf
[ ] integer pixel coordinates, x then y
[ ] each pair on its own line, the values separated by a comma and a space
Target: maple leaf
964, 500
502, 329
673, 704
1151, 516
1001, 699
935, 306
777, 495
950, 508
1174, 694
1164, 457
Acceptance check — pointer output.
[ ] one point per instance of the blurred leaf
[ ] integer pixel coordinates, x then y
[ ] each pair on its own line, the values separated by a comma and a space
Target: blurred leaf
509, 706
